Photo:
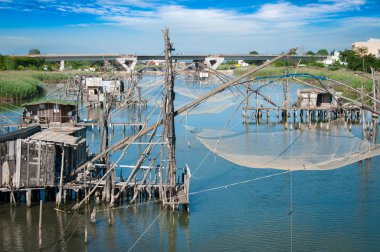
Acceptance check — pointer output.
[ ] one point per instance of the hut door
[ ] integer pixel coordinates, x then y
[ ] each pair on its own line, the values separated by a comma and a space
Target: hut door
56, 113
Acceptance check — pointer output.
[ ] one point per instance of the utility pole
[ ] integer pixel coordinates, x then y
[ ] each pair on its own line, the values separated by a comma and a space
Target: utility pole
169, 130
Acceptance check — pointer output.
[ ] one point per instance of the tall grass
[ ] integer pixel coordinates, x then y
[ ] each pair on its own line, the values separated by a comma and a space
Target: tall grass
16, 87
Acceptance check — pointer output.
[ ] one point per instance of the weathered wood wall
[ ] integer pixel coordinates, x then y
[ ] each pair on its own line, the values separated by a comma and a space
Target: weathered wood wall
37, 164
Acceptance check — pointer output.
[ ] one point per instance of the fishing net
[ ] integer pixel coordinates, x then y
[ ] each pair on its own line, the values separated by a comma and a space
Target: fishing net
213, 105
306, 149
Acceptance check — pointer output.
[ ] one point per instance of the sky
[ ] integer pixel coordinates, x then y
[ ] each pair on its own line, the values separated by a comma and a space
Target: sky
196, 26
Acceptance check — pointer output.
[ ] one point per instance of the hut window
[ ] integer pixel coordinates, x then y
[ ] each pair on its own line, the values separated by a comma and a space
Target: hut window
42, 106
56, 108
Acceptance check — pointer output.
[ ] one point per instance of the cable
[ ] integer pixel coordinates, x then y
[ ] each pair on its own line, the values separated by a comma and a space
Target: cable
146, 230
238, 183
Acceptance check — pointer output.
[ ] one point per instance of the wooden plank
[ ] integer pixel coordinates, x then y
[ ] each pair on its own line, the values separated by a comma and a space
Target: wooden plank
27, 163
18, 162
39, 164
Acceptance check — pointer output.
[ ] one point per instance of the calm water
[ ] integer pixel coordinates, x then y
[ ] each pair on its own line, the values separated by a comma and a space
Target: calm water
336, 210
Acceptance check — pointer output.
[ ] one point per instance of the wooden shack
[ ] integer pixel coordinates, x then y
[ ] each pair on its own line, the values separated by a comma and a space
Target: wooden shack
37, 159
316, 99
95, 94
47, 150
10, 145
50, 111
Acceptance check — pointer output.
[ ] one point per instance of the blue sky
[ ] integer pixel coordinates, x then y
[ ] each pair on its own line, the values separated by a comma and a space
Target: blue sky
207, 26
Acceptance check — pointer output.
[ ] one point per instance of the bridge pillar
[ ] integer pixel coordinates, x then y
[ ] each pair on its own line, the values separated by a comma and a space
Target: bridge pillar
214, 62
128, 63
62, 65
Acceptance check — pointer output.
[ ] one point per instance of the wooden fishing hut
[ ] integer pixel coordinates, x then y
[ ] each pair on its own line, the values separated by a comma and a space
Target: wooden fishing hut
40, 158
97, 89
95, 94
10, 146
50, 112
320, 104
316, 99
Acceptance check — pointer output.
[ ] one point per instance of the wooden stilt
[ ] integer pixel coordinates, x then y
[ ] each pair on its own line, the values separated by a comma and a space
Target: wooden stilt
28, 195
59, 196
40, 227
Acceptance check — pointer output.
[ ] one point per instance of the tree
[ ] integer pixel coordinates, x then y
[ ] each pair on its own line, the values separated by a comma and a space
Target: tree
352, 60
322, 52
310, 53
2, 63
361, 51
34, 51
253, 52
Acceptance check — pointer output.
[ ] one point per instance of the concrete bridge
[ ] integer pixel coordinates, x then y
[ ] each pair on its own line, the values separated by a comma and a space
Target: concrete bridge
128, 62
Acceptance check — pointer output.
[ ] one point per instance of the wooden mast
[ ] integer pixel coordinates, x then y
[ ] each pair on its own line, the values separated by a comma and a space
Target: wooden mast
169, 129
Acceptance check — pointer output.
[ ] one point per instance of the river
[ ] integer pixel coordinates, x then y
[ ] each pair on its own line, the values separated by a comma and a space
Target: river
232, 208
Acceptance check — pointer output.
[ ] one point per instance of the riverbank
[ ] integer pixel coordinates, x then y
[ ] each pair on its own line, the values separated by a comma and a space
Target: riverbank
20, 85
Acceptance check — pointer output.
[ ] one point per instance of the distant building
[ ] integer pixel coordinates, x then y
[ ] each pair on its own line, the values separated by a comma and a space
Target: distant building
241, 63
332, 58
372, 44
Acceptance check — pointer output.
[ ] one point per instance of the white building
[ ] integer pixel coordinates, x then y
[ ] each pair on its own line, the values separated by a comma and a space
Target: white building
332, 58
242, 63
373, 46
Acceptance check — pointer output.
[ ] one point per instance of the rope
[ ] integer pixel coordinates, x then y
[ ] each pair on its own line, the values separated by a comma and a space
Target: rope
63, 233
70, 236
146, 230
238, 183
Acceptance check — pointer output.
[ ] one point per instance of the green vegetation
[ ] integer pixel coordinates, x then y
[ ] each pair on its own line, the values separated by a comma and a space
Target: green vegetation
16, 87
359, 60
34, 51
322, 52
11, 63
20, 63
342, 75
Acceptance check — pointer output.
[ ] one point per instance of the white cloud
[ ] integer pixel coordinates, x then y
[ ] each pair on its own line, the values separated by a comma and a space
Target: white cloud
271, 27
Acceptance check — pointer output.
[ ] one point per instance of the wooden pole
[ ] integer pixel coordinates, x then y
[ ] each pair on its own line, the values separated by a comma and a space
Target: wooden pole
169, 125
59, 198
28, 198
285, 102
107, 187
40, 227
85, 226
374, 88
363, 114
